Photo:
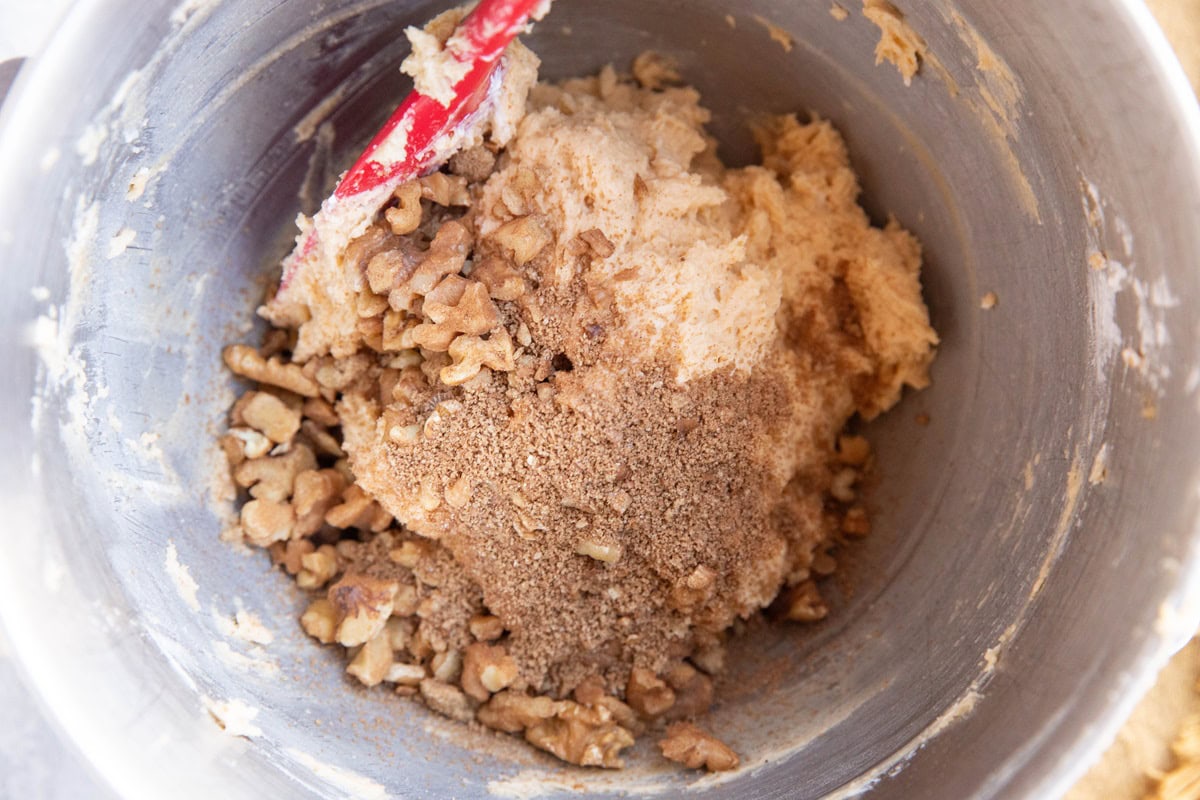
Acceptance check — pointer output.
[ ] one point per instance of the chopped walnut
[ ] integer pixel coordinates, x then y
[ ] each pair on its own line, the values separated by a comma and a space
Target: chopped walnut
372, 662
649, 695
694, 590
267, 521
406, 674
513, 712
406, 216
447, 700
289, 554
823, 564
458, 493
522, 238
384, 272
502, 281
608, 552
409, 553
693, 691
620, 500
322, 440
272, 478
853, 450
358, 510
397, 336
318, 567
842, 487
407, 600
695, 748
314, 492
598, 242
487, 669
251, 443
446, 255
363, 605
486, 628
320, 411
710, 657
590, 692
339, 373
465, 308
580, 735
268, 414
855, 522
447, 666
518, 192
399, 629
471, 354
445, 190
369, 304
245, 361
802, 603
320, 620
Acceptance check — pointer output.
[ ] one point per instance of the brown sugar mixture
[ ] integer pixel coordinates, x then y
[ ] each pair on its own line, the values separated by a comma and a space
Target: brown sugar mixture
572, 406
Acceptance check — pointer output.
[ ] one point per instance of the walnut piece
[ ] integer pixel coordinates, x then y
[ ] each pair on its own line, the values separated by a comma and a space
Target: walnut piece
853, 450
266, 521
487, 669
406, 216
318, 568
694, 590
314, 492
607, 552
693, 691
588, 737
598, 242
802, 603
363, 605
445, 190
856, 523
372, 662
246, 361
447, 700
272, 478
471, 353
406, 674
502, 281
456, 306
695, 748
446, 255
250, 443
358, 510
648, 694
513, 712
486, 628
521, 239
320, 620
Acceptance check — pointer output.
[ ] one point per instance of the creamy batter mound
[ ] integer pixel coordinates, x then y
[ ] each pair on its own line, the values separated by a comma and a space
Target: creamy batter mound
571, 407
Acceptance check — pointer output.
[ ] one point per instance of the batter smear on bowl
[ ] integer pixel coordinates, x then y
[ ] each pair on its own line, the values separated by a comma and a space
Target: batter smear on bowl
572, 406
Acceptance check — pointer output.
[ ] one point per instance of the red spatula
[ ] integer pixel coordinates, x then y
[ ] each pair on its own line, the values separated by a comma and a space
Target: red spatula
419, 135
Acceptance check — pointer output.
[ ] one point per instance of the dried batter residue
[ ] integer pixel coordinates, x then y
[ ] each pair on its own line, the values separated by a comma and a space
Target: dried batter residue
778, 35
898, 42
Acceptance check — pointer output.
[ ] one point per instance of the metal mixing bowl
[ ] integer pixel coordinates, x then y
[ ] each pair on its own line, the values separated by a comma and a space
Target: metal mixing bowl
1035, 553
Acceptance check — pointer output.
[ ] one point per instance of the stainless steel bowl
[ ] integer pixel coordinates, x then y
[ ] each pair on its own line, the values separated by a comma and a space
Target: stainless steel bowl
1035, 558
